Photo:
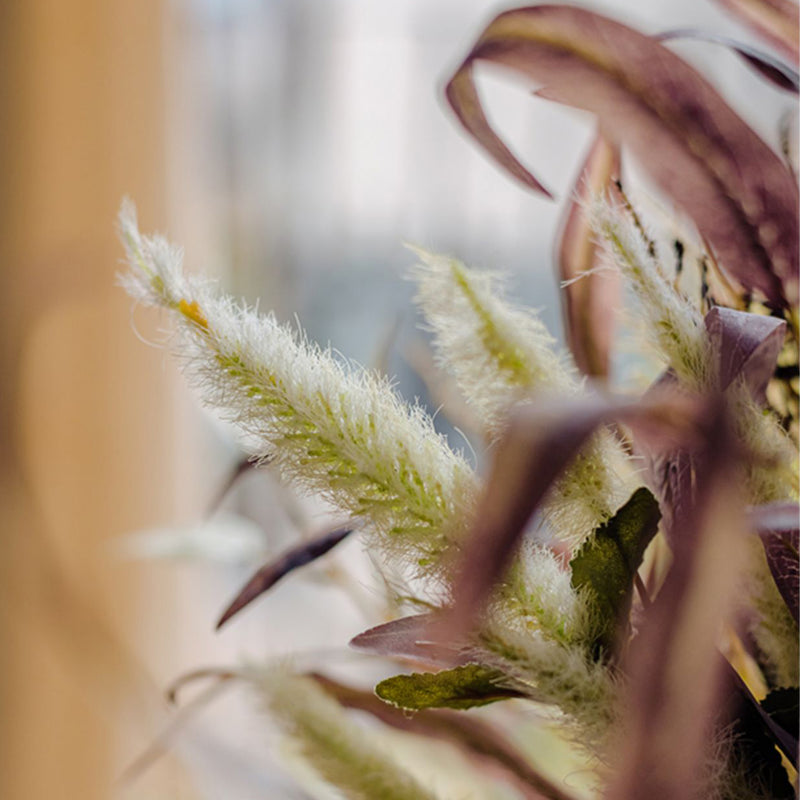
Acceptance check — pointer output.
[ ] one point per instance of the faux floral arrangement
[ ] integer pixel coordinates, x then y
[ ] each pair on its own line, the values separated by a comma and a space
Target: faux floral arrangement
629, 562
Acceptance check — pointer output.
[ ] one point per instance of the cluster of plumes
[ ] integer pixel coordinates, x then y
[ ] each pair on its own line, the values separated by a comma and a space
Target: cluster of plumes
341, 432
679, 336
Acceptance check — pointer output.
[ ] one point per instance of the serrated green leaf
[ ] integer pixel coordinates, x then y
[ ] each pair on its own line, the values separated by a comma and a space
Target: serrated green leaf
607, 563
461, 687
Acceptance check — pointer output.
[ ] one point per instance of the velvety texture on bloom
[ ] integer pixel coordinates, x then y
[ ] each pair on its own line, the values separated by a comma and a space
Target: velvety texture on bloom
329, 428
501, 354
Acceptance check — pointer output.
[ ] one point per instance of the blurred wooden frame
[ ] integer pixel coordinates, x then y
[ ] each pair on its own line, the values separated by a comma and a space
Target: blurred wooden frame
86, 448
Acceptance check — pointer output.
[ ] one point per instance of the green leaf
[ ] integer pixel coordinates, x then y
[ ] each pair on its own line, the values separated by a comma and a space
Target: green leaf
607, 563
461, 687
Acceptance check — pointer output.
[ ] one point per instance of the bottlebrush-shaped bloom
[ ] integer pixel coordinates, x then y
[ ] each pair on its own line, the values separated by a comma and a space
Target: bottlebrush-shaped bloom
540, 635
501, 354
675, 328
340, 751
677, 331
330, 429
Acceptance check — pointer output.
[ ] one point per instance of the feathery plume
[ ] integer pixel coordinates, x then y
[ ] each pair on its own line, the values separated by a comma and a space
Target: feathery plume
562, 675
772, 626
342, 753
538, 595
539, 633
500, 354
329, 429
674, 326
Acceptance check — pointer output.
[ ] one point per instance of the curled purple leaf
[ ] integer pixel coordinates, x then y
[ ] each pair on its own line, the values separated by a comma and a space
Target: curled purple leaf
667, 729
463, 96
783, 517
745, 345
587, 297
771, 68
409, 638
539, 442
271, 573
741, 196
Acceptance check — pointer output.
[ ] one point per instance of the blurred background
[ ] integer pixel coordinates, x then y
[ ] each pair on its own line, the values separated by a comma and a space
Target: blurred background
292, 147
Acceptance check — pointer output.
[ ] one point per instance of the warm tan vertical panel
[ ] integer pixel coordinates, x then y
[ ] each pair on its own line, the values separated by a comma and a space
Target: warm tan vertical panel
85, 443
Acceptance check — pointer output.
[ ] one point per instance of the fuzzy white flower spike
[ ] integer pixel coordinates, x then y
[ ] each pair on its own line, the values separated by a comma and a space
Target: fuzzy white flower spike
329, 428
501, 354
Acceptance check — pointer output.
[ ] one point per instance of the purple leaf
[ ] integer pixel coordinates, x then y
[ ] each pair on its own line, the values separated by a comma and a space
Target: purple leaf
409, 638
463, 97
671, 474
741, 196
539, 442
770, 67
778, 526
271, 573
665, 743
745, 345
587, 298
777, 21
781, 517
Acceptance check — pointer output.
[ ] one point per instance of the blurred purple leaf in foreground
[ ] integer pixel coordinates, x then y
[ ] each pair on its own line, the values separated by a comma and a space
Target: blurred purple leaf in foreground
740, 195
588, 296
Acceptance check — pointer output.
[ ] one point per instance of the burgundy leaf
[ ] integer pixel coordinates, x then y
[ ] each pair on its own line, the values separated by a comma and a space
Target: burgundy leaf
745, 345
271, 573
473, 736
463, 96
739, 193
775, 517
539, 442
675, 674
409, 637
777, 21
778, 525
782, 75
588, 298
